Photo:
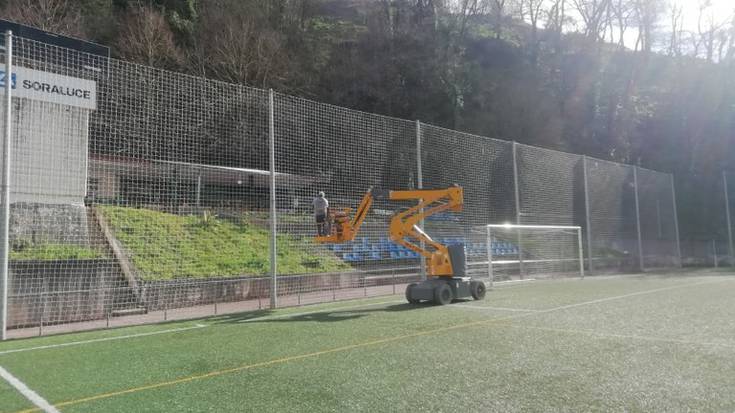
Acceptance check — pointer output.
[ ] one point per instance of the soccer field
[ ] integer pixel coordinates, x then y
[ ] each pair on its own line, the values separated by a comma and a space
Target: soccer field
629, 343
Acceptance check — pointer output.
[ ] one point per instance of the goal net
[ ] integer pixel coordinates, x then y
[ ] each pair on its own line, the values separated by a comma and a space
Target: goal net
533, 251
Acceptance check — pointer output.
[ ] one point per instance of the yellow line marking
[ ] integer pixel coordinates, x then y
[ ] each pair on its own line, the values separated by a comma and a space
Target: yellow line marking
500, 320
263, 364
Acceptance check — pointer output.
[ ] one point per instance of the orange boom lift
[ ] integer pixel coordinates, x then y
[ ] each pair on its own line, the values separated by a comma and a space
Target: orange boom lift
445, 265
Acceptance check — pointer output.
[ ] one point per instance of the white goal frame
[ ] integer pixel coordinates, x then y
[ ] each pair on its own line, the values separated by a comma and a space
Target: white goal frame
489, 232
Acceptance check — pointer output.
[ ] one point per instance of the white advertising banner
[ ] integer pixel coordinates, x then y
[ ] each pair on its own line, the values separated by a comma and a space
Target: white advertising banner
50, 87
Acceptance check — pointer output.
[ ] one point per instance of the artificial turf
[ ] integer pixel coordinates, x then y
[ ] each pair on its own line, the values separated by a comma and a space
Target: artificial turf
637, 343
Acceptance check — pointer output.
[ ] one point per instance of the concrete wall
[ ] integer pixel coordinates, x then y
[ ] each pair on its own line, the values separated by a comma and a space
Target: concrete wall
48, 156
63, 291
48, 177
38, 223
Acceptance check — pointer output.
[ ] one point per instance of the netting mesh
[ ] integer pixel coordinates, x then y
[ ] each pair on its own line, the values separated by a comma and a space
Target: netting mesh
484, 169
658, 219
152, 202
343, 153
534, 252
612, 216
551, 187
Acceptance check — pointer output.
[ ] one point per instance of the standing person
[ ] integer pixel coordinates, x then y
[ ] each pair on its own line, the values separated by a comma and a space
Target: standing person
321, 207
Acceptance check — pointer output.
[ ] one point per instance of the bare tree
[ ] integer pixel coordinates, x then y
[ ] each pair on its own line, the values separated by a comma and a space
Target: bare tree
556, 16
146, 38
677, 29
710, 32
622, 13
648, 13
57, 16
236, 43
730, 53
499, 15
593, 13
531, 11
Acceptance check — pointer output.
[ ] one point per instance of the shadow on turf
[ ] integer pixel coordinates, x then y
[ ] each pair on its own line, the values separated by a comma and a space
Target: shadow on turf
326, 316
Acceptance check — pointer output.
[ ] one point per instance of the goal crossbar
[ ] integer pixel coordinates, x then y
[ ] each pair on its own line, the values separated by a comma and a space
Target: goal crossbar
514, 226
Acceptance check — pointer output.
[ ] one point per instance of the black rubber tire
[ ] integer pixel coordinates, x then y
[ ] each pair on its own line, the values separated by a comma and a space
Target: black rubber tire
408, 294
478, 290
443, 294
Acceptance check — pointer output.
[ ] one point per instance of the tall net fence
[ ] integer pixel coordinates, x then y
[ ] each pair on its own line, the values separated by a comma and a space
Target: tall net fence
483, 167
550, 185
658, 222
343, 153
612, 216
140, 194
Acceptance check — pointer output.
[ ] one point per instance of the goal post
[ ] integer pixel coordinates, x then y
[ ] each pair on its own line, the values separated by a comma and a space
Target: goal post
536, 250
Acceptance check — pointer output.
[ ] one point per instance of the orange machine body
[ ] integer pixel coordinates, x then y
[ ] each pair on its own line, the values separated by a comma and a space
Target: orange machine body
404, 226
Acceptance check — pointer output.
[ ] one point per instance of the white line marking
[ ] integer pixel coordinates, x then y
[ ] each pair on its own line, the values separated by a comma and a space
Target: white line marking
98, 340
477, 307
623, 336
29, 394
324, 310
618, 297
602, 300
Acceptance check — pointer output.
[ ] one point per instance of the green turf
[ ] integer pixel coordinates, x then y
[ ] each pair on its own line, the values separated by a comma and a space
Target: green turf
166, 246
647, 343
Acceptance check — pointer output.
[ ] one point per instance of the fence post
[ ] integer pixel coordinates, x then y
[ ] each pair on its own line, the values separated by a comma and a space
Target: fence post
518, 206
420, 185
587, 214
676, 220
272, 153
581, 253
727, 214
490, 256
638, 219
4, 278
199, 191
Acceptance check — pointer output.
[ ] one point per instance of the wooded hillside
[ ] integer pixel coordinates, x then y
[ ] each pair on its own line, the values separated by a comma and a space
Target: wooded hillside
553, 73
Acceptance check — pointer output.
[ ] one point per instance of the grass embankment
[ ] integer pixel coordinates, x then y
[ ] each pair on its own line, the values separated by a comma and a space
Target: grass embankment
165, 246
50, 252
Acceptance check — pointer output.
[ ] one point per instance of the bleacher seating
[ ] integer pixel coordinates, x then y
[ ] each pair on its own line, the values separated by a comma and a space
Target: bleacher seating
363, 249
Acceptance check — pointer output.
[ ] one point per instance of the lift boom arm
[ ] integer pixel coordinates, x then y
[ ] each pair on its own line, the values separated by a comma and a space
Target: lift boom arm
404, 226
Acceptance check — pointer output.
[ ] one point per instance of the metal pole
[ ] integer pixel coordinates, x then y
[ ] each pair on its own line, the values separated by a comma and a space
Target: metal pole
727, 214
6, 186
638, 219
676, 219
272, 152
490, 256
714, 252
587, 214
659, 225
420, 185
199, 191
518, 207
581, 253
